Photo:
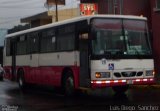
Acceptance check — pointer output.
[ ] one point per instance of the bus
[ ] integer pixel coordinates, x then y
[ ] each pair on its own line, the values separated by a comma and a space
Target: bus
97, 51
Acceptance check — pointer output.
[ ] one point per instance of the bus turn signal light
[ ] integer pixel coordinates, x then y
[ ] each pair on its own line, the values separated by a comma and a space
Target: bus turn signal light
154, 72
98, 75
102, 75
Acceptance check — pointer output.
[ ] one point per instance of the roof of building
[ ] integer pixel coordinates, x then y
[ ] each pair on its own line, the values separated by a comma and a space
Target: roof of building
43, 15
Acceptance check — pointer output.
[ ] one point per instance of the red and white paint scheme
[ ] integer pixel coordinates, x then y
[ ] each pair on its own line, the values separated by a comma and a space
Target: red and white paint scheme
90, 51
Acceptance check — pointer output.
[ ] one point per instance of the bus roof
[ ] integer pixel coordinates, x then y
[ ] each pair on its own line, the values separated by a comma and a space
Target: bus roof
76, 19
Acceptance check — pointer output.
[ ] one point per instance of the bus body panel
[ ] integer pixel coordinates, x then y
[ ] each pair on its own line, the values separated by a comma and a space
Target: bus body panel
58, 59
122, 71
123, 64
45, 69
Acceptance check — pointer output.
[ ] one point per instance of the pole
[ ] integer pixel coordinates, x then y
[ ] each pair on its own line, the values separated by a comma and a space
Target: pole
56, 10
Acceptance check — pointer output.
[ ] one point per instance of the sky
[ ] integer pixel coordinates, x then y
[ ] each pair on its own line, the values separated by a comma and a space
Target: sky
11, 11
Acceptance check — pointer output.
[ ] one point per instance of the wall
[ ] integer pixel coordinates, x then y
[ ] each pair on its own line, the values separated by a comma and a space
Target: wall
156, 35
138, 7
66, 14
102, 7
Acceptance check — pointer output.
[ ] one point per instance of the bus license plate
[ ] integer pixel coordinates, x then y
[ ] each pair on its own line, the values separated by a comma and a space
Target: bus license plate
130, 82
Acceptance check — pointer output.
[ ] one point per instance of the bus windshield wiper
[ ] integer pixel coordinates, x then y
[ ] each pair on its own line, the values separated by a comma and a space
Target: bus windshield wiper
133, 48
137, 53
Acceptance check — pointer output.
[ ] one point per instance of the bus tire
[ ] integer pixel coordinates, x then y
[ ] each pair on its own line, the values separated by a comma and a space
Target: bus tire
21, 80
120, 89
68, 84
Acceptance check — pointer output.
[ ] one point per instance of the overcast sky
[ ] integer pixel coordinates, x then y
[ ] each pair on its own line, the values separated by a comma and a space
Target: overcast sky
12, 10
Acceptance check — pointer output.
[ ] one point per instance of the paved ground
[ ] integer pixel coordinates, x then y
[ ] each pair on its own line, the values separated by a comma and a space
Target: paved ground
44, 99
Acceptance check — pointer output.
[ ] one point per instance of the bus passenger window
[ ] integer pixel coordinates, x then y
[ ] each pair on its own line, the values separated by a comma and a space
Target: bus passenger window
21, 45
33, 42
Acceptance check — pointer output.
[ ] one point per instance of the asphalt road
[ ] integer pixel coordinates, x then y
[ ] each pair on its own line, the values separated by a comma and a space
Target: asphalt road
46, 99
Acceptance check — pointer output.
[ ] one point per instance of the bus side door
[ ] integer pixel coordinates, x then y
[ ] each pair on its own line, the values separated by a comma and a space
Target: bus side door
84, 62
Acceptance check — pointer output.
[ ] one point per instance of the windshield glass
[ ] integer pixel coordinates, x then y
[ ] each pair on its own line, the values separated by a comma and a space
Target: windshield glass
136, 37
120, 36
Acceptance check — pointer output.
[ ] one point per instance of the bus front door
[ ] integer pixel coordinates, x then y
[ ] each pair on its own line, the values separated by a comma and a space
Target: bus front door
84, 63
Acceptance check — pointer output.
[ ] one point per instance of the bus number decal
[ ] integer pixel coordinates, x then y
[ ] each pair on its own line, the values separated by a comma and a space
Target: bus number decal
111, 66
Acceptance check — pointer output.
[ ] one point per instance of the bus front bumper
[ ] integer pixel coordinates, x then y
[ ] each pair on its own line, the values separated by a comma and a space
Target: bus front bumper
110, 83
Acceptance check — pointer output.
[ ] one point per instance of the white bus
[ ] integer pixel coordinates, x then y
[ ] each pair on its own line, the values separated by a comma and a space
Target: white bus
97, 51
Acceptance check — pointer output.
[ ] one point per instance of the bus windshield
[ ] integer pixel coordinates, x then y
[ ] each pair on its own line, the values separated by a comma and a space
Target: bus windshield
120, 36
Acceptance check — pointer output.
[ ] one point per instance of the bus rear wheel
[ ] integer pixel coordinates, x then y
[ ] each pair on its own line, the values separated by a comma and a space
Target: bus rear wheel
68, 84
120, 89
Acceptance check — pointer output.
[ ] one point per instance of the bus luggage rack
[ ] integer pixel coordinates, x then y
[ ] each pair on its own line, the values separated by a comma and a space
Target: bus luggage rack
127, 74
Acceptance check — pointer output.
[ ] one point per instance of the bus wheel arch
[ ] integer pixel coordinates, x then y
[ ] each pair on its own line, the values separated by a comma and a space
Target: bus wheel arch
68, 83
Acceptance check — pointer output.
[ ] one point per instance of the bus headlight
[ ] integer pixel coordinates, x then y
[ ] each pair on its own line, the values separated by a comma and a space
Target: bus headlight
102, 74
150, 73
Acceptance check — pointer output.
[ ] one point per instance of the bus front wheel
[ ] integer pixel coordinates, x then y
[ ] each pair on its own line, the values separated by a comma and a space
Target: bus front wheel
68, 84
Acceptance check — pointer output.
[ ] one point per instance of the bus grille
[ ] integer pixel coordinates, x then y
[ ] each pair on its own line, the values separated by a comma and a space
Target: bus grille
128, 74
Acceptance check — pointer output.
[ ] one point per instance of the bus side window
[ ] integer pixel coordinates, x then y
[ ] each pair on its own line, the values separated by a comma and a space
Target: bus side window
66, 42
66, 37
47, 41
8, 47
33, 42
21, 45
